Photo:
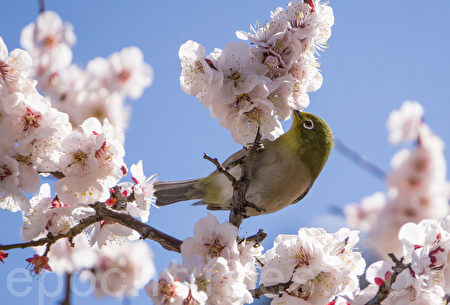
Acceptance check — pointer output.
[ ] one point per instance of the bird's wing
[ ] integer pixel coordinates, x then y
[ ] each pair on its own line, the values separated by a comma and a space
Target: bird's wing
235, 159
238, 157
303, 194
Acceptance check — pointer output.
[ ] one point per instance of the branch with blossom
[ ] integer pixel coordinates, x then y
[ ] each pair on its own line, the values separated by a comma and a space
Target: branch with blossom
75, 134
386, 286
240, 186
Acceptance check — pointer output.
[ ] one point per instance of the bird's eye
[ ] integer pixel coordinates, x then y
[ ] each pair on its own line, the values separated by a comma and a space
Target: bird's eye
308, 124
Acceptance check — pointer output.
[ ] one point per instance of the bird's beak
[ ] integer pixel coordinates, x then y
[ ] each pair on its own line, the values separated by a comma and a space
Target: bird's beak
298, 114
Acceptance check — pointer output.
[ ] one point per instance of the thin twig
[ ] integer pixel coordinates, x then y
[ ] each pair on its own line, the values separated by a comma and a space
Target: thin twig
359, 159
385, 288
122, 217
41, 6
104, 212
57, 175
74, 231
275, 289
67, 289
256, 238
239, 201
220, 168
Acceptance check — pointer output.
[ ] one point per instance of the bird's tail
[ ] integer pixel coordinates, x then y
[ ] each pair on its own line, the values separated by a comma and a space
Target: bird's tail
168, 192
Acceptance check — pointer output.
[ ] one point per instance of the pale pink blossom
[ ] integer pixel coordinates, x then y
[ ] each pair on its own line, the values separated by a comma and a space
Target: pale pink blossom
92, 162
48, 41
404, 124
14, 69
122, 269
363, 215
319, 265
124, 72
210, 240
167, 289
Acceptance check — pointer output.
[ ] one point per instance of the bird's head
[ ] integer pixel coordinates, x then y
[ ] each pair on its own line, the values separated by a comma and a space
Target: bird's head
311, 138
311, 128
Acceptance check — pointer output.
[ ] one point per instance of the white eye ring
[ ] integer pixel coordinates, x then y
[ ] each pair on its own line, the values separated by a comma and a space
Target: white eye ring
308, 124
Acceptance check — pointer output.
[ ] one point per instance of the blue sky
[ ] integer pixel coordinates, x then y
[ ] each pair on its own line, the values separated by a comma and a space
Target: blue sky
380, 53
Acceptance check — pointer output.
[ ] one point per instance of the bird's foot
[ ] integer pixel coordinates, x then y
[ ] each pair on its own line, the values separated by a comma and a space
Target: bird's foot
259, 146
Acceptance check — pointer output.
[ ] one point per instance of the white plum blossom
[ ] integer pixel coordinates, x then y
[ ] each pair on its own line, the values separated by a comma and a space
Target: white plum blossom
124, 72
108, 232
167, 289
427, 245
142, 190
362, 216
32, 118
404, 124
92, 162
248, 254
224, 284
48, 41
46, 215
71, 257
122, 269
97, 91
426, 248
250, 87
14, 178
210, 240
417, 184
198, 77
216, 270
14, 69
318, 265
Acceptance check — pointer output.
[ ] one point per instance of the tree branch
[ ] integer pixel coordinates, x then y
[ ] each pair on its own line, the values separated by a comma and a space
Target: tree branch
359, 159
240, 186
275, 289
220, 168
67, 289
239, 202
104, 212
74, 231
122, 217
256, 238
57, 175
385, 288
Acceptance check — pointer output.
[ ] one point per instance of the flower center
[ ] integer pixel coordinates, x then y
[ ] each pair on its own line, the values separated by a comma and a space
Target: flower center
49, 41
214, 249
124, 75
167, 289
5, 71
202, 283
79, 156
4, 172
302, 257
30, 119
254, 115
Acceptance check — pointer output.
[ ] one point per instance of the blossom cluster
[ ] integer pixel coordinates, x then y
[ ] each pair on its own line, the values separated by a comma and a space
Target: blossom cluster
318, 266
216, 269
417, 185
426, 247
113, 270
67, 135
251, 87
50, 135
99, 90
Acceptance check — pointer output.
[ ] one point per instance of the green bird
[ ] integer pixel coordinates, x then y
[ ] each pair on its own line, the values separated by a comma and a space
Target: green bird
283, 172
